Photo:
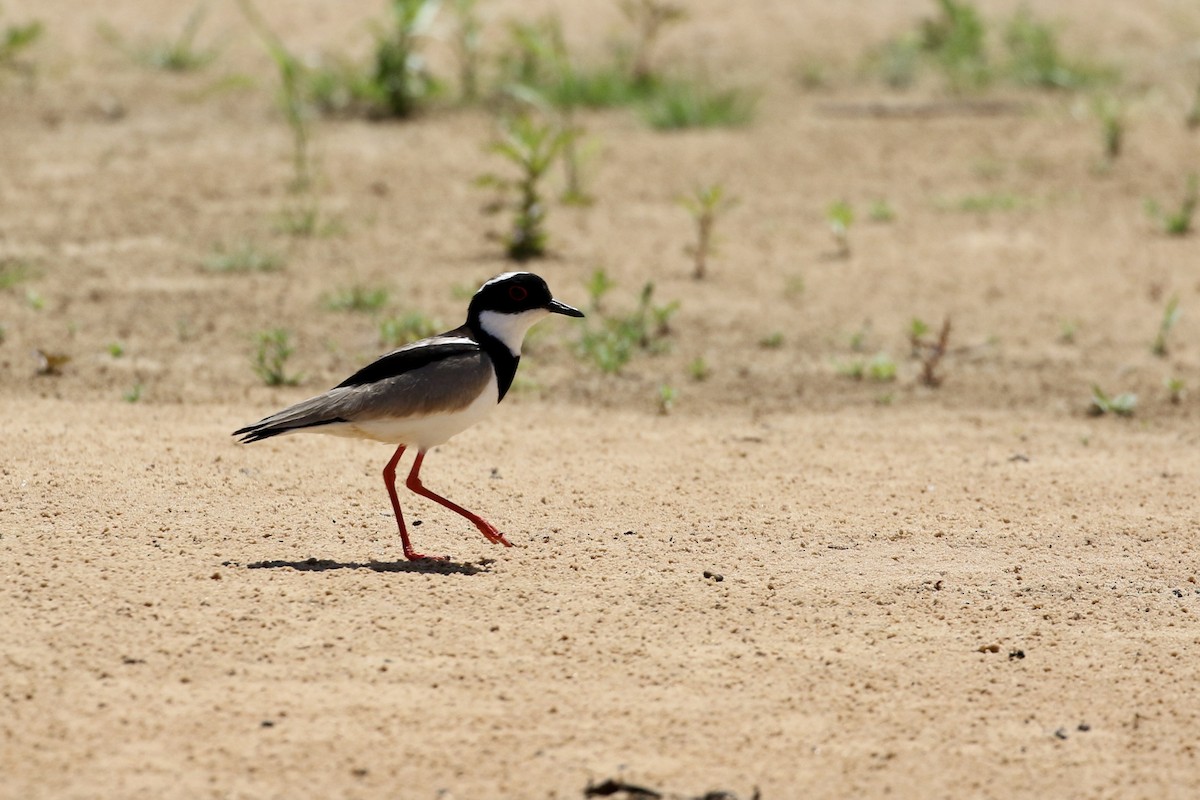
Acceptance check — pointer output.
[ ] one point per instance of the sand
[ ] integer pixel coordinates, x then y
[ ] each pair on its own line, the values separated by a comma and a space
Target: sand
794, 582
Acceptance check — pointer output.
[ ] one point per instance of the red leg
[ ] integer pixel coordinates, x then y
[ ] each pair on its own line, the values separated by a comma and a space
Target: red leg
389, 480
486, 528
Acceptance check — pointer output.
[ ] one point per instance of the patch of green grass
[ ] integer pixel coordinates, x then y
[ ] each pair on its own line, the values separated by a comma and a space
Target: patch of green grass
1035, 59
984, 203
1178, 222
678, 104
772, 341
955, 41
611, 341
1121, 405
272, 351
356, 298
15, 271
180, 54
880, 368
15, 39
408, 327
242, 257
116, 349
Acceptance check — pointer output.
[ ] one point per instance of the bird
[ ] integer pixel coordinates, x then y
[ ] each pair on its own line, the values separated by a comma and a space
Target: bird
421, 394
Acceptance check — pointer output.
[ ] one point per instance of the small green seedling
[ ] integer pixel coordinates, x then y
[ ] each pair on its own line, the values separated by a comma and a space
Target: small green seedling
180, 54
401, 78
618, 337
133, 394
1068, 329
772, 341
1122, 405
666, 399
1177, 223
599, 285
294, 96
14, 271
1169, 319
1176, 388
698, 369
357, 298
929, 352
409, 327
840, 216
678, 105
880, 368
468, 30
881, 211
243, 257
116, 349
705, 204
271, 355
1111, 116
16, 38
650, 18
532, 148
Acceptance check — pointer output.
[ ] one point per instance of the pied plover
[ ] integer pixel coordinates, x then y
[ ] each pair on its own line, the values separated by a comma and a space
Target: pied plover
425, 392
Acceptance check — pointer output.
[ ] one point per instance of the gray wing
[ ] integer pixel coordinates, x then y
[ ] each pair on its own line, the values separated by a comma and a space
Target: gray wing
446, 383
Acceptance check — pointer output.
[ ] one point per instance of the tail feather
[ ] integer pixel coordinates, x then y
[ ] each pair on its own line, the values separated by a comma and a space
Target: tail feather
310, 413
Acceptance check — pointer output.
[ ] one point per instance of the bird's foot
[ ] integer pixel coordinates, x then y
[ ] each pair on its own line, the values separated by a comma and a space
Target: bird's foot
493, 535
413, 555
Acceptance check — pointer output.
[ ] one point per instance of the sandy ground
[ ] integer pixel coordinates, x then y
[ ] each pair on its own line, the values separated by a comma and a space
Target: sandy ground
795, 582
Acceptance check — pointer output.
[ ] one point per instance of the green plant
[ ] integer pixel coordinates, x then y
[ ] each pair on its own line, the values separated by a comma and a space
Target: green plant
929, 352
983, 203
1122, 405
599, 285
408, 327
1109, 112
1176, 388
772, 341
34, 300
242, 257
666, 399
881, 211
1169, 319
468, 28
16, 38
1177, 223
1067, 330
14, 271
705, 204
880, 368
616, 338
401, 78
356, 298
116, 349
698, 369
649, 18
271, 355
293, 95
675, 105
532, 149
174, 55
133, 394
840, 216
955, 41
304, 218
1034, 57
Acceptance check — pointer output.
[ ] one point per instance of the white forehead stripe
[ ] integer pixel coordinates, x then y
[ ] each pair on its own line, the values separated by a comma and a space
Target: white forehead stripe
435, 341
504, 277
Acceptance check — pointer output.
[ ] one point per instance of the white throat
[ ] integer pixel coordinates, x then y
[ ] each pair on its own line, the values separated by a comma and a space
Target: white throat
511, 328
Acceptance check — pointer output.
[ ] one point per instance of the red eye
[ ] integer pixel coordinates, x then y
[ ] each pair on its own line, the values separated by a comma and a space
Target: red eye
517, 293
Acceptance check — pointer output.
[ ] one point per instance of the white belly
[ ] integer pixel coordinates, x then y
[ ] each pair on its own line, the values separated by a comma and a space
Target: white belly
423, 432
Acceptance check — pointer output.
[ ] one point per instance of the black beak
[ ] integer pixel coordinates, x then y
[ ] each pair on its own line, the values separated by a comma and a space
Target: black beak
555, 307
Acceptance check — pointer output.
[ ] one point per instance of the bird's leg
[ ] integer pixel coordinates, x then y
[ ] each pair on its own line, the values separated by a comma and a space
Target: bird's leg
486, 528
389, 480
